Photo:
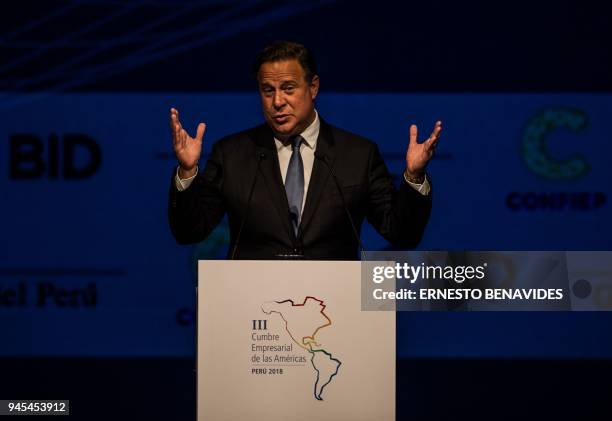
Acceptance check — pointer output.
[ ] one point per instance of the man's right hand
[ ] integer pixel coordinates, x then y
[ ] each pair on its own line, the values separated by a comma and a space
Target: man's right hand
186, 148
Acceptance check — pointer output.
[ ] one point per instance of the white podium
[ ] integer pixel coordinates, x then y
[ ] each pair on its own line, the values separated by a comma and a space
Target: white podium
287, 340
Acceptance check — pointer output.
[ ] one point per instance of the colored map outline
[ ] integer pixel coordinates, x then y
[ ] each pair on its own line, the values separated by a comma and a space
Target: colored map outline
308, 341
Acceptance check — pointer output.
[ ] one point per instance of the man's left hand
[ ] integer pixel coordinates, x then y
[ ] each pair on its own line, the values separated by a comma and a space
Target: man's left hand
419, 154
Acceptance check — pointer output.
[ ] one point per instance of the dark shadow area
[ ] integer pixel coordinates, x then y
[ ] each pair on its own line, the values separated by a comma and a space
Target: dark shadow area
427, 389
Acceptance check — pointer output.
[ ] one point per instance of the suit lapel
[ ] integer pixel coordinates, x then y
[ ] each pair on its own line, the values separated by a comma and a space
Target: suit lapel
270, 170
320, 174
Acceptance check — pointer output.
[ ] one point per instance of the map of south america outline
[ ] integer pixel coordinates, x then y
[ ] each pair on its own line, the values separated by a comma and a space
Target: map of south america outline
322, 361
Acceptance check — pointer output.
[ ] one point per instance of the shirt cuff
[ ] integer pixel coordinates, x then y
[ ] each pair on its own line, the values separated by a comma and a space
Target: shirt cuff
183, 184
424, 188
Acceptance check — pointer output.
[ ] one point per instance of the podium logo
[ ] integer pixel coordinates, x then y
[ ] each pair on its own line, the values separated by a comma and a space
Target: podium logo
303, 322
75, 157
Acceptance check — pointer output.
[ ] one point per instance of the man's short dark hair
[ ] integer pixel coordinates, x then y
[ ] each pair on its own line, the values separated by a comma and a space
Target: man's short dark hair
287, 50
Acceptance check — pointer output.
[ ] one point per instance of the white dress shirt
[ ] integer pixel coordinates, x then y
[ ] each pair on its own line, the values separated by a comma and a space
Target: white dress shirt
307, 150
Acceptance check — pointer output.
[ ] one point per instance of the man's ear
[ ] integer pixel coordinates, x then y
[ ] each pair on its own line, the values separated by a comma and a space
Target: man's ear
314, 86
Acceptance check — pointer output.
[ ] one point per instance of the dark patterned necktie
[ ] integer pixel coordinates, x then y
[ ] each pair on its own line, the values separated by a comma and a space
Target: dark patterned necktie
294, 182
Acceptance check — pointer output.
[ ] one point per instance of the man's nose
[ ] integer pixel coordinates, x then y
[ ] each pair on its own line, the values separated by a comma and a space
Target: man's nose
279, 100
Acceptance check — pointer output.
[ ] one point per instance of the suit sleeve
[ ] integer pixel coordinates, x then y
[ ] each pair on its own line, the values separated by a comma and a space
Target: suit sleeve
400, 216
196, 211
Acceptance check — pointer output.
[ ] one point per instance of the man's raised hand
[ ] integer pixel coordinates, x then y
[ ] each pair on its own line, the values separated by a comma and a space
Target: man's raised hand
187, 149
419, 154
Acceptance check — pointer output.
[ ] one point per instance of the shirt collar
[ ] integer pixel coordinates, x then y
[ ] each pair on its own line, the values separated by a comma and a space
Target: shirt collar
310, 134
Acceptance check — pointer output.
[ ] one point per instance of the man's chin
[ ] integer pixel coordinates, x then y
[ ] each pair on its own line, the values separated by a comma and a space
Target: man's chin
284, 129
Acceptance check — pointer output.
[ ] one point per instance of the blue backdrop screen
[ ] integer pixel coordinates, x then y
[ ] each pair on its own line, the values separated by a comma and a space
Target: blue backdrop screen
88, 266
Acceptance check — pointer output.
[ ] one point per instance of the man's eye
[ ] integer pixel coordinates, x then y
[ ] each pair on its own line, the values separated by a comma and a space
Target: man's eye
289, 89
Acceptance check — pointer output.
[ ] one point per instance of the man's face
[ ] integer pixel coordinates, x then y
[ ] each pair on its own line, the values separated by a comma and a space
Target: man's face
287, 98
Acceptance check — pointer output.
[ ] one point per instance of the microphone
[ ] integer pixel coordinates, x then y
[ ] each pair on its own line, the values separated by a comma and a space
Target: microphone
260, 157
321, 156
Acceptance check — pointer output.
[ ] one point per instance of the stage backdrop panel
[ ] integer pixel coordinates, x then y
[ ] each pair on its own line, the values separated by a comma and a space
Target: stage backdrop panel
88, 265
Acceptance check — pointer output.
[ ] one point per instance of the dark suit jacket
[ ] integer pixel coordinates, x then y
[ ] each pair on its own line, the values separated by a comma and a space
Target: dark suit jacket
325, 231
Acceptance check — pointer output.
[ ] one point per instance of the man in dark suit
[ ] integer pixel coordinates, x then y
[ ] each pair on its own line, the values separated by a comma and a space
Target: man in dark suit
296, 186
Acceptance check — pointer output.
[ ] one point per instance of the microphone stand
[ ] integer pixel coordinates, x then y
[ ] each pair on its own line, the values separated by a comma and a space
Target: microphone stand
260, 157
324, 158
